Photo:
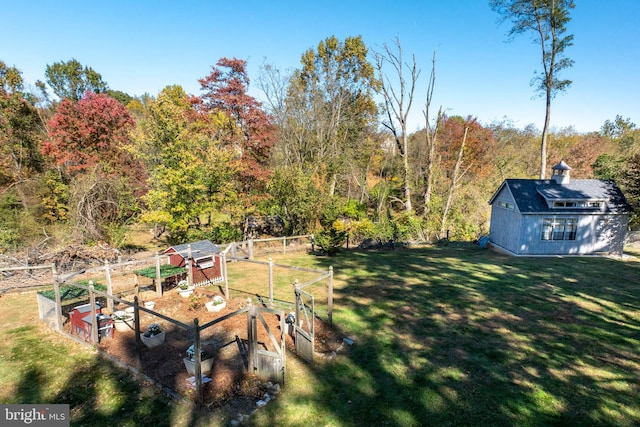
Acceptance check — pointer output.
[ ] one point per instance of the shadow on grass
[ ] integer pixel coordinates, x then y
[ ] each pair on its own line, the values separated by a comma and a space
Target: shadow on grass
443, 336
98, 392
470, 337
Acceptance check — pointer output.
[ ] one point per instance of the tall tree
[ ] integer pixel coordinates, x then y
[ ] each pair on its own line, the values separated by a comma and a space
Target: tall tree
93, 131
547, 19
332, 95
21, 130
89, 141
191, 170
248, 129
70, 80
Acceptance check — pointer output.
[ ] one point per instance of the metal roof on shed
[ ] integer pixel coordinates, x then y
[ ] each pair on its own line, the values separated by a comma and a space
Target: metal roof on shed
529, 194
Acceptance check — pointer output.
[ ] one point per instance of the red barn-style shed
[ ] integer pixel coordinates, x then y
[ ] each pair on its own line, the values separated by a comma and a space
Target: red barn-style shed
206, 264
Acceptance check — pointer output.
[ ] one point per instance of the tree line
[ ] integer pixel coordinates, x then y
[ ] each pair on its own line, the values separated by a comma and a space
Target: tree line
327, 150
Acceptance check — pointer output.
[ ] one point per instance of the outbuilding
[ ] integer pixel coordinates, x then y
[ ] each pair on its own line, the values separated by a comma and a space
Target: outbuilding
204, 260
559, 216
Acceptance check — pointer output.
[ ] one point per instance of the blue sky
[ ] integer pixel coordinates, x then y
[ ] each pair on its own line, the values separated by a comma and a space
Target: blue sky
141, 46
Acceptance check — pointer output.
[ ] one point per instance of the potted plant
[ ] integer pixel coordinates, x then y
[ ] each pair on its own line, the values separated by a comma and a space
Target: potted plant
123, 321
206, 361
216, 304
184, 289
153, 337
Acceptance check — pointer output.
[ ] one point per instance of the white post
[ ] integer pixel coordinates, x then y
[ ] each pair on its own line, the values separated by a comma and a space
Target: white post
158, 277
107, 273
270, 282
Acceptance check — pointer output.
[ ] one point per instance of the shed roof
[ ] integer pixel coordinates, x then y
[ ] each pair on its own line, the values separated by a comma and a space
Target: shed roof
199, 249
530, 194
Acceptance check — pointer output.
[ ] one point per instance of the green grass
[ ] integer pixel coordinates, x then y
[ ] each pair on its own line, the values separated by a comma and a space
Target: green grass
443, 336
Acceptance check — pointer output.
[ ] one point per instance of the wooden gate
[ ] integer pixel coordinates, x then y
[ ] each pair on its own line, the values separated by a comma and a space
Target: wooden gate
267, 360
304, 324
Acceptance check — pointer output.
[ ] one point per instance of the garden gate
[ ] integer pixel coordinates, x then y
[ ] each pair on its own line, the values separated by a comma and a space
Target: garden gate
304, 324
267, 364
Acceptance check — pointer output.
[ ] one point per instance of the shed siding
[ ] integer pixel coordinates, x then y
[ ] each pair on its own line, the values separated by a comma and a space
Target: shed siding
505, 223
595, 234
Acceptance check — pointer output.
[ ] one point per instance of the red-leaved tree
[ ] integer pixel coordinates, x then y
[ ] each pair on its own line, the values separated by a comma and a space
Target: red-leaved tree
92, 131
249, 130
88, 139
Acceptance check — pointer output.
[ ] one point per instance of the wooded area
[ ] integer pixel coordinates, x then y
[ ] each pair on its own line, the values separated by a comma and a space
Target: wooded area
82, 164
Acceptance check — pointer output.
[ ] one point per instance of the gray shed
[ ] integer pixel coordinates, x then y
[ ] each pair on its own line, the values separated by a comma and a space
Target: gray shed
559, 216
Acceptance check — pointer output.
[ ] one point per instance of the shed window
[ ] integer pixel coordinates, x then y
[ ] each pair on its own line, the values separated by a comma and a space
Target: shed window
505, 205
559, 228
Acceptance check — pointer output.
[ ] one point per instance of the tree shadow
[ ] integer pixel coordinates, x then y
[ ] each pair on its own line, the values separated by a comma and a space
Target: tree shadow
470, 337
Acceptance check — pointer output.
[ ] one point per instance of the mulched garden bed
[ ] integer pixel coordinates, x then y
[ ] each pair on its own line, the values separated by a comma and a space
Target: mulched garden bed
226, 341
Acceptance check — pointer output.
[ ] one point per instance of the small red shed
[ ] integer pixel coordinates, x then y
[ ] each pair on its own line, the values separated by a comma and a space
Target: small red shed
206, 263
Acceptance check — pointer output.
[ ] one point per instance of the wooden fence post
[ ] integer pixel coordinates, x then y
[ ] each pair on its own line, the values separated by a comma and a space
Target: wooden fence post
250, 248
136, 327
251, 314
224, 275
198, 367
284, 245
56, 287
330, 297
189, 266
94, 314
270, 282
158, 277
107, 273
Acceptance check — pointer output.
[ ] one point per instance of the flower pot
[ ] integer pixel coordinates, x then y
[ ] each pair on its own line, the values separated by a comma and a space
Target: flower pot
153, 341
211, 306
186, 293
205, 365
123, 321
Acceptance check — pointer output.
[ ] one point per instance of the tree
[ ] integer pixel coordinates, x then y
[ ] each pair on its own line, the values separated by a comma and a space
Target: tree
70, 80
295, 198
21, 130
191, 171
89, 141
630, 182
466, 149
248, 129
93, 131
331, 97
397, 102
547, 19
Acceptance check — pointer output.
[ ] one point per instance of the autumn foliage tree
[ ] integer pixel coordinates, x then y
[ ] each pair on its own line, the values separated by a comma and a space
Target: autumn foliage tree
248, 130
88, 140
191, 170
21, 129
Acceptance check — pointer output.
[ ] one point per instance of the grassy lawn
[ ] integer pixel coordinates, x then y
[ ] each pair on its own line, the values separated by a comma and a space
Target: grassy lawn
443, 336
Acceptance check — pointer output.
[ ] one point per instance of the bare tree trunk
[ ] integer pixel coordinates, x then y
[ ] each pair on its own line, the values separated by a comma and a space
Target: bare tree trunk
397, 107
545, 132
407, 173
432, 134
454, 179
